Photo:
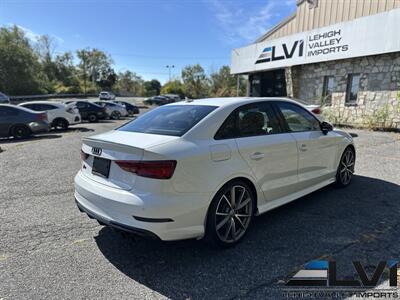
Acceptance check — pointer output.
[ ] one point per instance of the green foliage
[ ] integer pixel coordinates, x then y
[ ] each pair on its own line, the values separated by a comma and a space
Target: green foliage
223, 84
129, 84
197, 85
152, 88
95, 66
20, 71
174, 87
36, 68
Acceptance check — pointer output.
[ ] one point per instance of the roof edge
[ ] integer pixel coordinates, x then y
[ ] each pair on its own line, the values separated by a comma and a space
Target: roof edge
277, 27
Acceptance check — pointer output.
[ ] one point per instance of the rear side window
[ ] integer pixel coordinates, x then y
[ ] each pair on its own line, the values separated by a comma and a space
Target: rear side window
81, 104
47, 107
249, 120
31, 106
174, 120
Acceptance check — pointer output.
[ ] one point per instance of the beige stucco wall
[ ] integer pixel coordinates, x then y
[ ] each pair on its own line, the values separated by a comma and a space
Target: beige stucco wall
328, 12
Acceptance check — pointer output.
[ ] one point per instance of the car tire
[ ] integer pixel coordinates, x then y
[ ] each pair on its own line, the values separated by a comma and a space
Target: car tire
345, 170
115, 115
60, 124
229, 219
20, 132
92, 118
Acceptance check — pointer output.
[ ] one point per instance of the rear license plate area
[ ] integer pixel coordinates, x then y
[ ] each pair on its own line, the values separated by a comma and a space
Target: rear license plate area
101, 167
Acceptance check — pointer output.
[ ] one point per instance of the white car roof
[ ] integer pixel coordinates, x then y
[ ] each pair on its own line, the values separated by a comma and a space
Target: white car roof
59, 104
230, 101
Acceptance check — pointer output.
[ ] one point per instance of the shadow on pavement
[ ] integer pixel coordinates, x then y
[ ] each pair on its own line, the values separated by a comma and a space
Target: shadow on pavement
356, 223
74, 129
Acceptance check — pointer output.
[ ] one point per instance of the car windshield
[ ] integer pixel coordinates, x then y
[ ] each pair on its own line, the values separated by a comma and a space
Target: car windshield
173, 120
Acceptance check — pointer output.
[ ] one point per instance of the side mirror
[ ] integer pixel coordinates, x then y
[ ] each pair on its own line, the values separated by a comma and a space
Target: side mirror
326, 127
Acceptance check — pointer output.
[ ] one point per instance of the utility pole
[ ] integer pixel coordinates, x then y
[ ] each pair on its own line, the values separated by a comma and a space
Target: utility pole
169, 67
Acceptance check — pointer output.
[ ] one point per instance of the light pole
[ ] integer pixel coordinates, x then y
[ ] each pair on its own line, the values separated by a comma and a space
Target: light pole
169, 67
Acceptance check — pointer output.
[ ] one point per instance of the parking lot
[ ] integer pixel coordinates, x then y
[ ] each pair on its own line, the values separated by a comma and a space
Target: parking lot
48, 249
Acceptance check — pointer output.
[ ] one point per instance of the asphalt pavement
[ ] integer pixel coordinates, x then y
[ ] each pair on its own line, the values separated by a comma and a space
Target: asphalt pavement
49, 250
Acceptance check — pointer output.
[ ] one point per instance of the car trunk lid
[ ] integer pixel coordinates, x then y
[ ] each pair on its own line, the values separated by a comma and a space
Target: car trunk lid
104, 149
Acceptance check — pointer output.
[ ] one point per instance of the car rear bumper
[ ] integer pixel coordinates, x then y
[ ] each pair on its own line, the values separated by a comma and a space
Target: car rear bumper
123, 227
168, 216
39, 127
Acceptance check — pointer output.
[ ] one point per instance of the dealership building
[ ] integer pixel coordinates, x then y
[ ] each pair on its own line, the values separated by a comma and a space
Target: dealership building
343, 54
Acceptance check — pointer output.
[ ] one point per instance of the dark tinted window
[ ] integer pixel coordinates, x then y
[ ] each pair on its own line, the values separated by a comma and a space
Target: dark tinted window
256, 119
173, 120
327, 91
31, 106
228, 128
297, 118
353, 85
249, 120
47, 107
81, 104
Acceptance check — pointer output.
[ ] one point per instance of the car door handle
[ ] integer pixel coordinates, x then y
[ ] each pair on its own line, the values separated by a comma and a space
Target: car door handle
303, 148
257, 156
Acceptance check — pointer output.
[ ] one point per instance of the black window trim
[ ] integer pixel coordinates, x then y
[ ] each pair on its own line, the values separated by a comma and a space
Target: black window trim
283, 121
349, 86
325, 89
236, 129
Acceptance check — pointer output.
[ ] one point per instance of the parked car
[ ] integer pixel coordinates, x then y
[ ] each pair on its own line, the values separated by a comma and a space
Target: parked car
132, 109
106, 96
89, 111
173, 97
157, 100
207, 167
60, 115
20, 122
4, 99
114, 111
314, 108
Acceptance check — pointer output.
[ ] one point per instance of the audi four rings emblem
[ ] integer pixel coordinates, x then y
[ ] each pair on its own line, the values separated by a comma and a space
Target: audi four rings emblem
96, 151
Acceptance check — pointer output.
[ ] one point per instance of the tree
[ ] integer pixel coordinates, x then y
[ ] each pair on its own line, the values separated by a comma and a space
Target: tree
195, 81
129, 84
223, 84
93, 64
174, 87
106, 78
152, 88
45, 48
20, 71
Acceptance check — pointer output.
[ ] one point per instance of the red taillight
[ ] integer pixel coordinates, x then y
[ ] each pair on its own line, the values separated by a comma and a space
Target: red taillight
159, 169
84, 156
316, 111
41, 117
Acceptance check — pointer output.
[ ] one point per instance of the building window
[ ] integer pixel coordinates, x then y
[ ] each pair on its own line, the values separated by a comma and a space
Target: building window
353, 85
327, 90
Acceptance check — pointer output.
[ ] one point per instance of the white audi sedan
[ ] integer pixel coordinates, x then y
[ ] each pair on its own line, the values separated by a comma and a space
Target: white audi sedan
205, 168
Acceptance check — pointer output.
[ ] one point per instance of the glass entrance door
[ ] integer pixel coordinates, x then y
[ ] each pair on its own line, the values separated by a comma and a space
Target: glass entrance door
268, 84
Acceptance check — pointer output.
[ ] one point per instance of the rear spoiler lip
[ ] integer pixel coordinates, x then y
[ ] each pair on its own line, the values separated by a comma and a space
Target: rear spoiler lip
112, 146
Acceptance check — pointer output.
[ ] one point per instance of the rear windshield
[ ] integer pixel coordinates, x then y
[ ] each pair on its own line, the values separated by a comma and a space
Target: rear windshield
173, 120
